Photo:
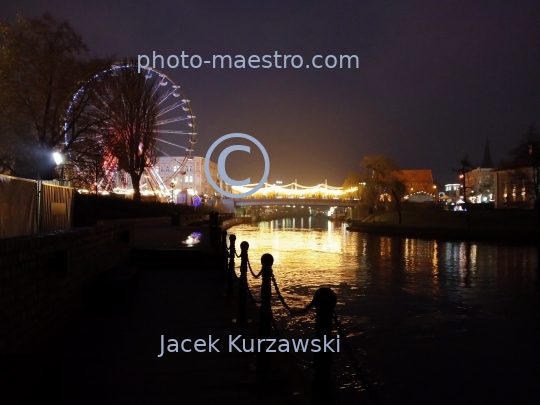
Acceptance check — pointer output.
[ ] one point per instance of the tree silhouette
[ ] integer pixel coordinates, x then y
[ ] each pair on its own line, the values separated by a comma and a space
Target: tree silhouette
130, 132
42, 65
383, 178
465, 166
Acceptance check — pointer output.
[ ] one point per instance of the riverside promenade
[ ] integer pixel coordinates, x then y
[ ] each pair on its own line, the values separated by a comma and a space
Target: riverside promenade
109, 354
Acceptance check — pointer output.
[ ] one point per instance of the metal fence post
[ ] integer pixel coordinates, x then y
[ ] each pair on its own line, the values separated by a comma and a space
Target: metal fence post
214, 219
325, 301
265, 311
230, 272
224, 254
215, 231
243, 283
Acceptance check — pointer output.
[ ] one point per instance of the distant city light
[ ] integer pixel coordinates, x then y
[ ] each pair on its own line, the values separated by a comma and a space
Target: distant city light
296, 190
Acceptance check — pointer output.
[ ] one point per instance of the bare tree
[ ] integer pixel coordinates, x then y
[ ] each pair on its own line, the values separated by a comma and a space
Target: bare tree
130, 132
384, 178
43, 66
465, 166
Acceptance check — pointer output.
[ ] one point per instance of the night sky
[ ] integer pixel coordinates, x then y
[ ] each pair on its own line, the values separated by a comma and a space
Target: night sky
435, 78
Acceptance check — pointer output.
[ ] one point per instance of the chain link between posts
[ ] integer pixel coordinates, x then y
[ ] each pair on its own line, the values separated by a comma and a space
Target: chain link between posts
251, 270
292, 311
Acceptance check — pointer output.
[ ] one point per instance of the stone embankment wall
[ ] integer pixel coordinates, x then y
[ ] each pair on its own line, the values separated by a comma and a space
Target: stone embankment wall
45, 279
235, 221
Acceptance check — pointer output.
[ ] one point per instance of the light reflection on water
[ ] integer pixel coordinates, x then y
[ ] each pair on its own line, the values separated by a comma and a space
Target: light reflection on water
399, 295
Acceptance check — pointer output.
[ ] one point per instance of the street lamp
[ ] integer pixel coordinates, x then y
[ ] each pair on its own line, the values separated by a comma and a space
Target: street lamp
96, 157
59, 160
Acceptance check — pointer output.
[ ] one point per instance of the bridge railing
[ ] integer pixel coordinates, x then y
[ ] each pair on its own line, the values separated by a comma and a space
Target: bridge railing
326, 320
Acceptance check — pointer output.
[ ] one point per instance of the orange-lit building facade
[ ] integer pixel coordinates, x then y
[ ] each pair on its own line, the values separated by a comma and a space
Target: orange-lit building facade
419, 184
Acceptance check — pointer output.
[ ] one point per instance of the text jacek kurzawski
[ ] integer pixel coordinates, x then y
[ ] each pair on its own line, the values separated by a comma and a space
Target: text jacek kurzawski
237, 344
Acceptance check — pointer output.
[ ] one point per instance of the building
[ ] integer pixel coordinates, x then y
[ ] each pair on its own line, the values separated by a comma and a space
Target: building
480, 181
514, 188
419, 185
453, 192
191, 178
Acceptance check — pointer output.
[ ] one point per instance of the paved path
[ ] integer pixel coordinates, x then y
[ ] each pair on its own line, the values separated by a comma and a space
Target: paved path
159, 234
110, 355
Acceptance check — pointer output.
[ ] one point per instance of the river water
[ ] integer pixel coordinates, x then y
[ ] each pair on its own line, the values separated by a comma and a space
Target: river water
429, 321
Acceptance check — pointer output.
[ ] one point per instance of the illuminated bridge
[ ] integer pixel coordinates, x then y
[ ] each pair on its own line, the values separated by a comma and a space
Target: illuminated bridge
308, 202
296, 194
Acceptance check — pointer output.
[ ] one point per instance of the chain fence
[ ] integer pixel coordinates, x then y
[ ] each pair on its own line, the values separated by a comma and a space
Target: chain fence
291, 310
251, 270
349, 351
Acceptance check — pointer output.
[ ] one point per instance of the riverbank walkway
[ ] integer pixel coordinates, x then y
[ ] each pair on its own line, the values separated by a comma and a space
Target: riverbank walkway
109, 355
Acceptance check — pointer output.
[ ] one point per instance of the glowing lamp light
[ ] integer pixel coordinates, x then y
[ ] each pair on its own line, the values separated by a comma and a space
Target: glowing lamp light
58, 158
192, 239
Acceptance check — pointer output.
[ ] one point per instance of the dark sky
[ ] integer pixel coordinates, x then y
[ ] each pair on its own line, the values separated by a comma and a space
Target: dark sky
435, 78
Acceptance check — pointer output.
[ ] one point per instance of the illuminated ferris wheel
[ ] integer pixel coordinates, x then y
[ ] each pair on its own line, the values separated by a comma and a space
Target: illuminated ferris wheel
174, 132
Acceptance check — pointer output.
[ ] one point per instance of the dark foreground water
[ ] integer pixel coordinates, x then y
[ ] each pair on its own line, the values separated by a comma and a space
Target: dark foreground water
430, 322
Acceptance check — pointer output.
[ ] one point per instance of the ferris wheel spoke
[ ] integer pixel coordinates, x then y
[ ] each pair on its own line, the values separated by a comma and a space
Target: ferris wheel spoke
165, 96
177, 119
156, 178
173, 158
171, 107
100, 97
171, 131
104, 104
155, 88
173, 144
95, 112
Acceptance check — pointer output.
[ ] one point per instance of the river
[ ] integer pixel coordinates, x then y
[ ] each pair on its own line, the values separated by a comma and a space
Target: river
429, 321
